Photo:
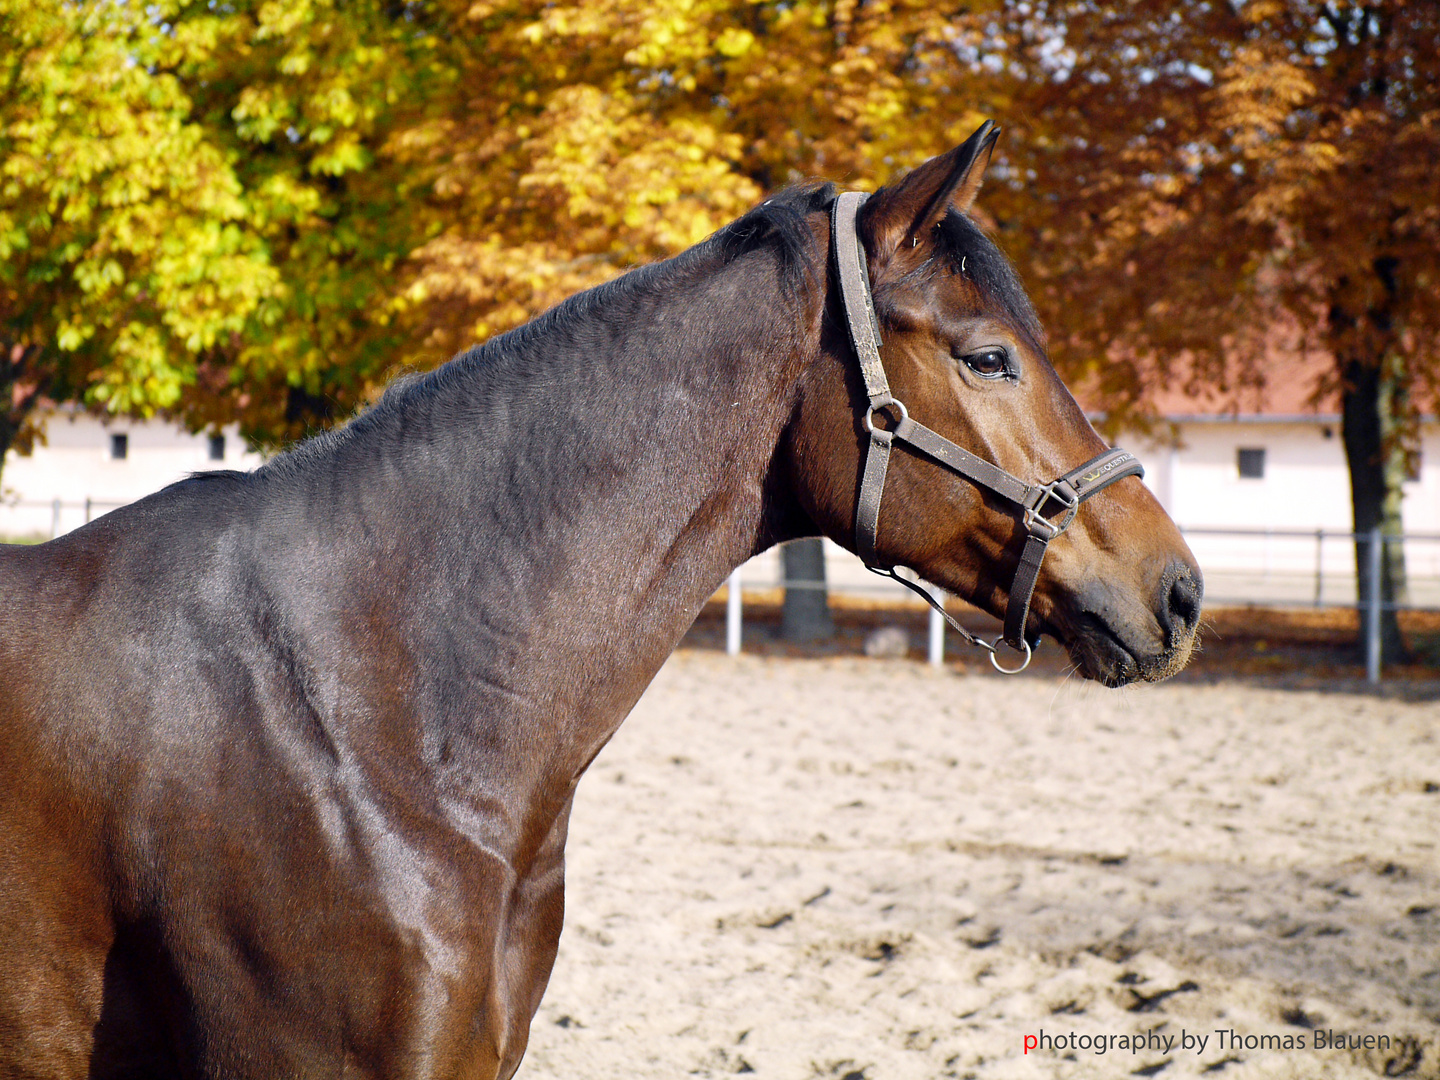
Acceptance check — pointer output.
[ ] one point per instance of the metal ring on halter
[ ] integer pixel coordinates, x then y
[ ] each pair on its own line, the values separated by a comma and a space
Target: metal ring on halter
1004, 670
881, 406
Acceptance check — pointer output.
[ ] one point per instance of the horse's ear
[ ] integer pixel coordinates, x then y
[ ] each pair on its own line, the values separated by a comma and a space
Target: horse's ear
905, 214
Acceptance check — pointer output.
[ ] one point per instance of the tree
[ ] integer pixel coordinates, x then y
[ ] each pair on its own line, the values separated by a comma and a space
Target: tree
123, 251
586, 138
805, 614
583, 139
198, 216
1189, 177
304, 97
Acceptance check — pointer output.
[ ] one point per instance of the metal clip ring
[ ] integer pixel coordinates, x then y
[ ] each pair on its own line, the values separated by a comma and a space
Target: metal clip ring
1009, 671
881, 407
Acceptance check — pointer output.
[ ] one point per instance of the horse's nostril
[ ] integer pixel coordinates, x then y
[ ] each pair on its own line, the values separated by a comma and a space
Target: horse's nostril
1183, 598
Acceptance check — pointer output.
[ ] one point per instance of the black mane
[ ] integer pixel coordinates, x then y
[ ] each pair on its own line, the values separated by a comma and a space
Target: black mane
778, 225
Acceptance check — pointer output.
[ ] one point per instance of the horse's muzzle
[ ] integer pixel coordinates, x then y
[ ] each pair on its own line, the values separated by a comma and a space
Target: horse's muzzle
1115, 641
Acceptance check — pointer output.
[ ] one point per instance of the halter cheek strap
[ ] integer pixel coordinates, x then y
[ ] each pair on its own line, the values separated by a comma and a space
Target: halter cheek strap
1046, 509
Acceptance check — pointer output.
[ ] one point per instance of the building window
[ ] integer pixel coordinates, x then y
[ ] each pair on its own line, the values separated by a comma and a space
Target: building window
119, 447
217, 447
1250, 463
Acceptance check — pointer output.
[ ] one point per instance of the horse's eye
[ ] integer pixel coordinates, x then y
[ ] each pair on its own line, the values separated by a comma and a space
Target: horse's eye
988, 363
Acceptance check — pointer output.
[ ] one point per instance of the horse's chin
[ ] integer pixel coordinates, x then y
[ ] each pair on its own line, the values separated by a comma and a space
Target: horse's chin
1114, 657
1116, 637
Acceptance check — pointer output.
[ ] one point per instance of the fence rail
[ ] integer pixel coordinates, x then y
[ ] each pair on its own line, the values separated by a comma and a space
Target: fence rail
1310, 567
1322, 576
54, 513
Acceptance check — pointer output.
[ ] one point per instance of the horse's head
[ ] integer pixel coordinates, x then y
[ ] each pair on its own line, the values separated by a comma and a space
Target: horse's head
965, 357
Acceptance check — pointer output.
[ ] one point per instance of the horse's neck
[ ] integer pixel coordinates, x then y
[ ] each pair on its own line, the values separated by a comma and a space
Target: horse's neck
589, 500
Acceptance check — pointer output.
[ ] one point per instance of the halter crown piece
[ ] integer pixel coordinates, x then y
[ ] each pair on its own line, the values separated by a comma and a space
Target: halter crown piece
1060, 498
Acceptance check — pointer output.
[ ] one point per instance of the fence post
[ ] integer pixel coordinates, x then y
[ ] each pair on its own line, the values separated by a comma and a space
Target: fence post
1372, 610
937, 630
732, 614
54, 518
87, 509
1319, 567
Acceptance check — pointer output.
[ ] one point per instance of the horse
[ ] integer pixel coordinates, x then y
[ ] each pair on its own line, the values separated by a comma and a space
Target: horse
287, 757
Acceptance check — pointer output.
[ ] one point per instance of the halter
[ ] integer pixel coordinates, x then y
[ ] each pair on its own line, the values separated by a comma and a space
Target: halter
1060, 498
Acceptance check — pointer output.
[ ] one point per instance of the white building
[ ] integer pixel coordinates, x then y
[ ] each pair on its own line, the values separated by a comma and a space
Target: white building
1266, 465
88, 466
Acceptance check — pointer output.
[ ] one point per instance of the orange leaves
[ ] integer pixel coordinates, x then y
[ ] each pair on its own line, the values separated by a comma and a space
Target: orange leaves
1261, 95
1208, 169
1259, 92
599, 135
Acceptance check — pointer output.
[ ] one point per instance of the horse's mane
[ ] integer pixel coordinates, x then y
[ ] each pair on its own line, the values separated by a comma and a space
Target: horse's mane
779, 226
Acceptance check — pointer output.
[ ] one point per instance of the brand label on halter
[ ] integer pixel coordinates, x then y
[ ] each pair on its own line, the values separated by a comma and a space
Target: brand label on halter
1107, 468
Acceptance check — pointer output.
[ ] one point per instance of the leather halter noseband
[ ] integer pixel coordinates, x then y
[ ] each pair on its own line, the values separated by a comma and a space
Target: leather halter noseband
1061, 498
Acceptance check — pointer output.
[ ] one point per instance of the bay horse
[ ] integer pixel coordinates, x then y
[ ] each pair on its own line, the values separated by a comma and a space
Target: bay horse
287, 757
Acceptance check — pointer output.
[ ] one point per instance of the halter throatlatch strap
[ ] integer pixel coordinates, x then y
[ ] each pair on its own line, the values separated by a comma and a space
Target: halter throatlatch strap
1047, 509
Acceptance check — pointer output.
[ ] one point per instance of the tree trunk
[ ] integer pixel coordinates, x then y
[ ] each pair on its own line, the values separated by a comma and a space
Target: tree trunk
1373, 418
20, 390
806, 613
8, 427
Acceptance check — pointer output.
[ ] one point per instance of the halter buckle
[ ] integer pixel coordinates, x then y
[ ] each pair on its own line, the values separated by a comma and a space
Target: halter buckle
1038, 524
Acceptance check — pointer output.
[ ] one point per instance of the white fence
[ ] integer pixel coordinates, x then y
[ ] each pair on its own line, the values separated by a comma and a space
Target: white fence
1284, 568
1304, 567
31, 519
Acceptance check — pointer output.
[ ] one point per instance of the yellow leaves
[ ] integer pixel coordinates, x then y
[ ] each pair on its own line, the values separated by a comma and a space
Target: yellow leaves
121, 248
281, 18
340, 156
560, 22
667, 35
623, 182
69, 335
142, 377
734, 42
297, 63
261, 112
618, 131
99, 275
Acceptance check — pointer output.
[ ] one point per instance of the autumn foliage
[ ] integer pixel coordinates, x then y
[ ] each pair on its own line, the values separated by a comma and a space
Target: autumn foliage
583, 139
1194, 180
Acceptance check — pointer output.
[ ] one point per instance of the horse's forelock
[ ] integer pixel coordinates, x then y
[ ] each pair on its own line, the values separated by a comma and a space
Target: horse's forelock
966, 250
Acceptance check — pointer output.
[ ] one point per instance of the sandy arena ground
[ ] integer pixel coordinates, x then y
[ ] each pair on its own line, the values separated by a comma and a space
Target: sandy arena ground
867, 870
